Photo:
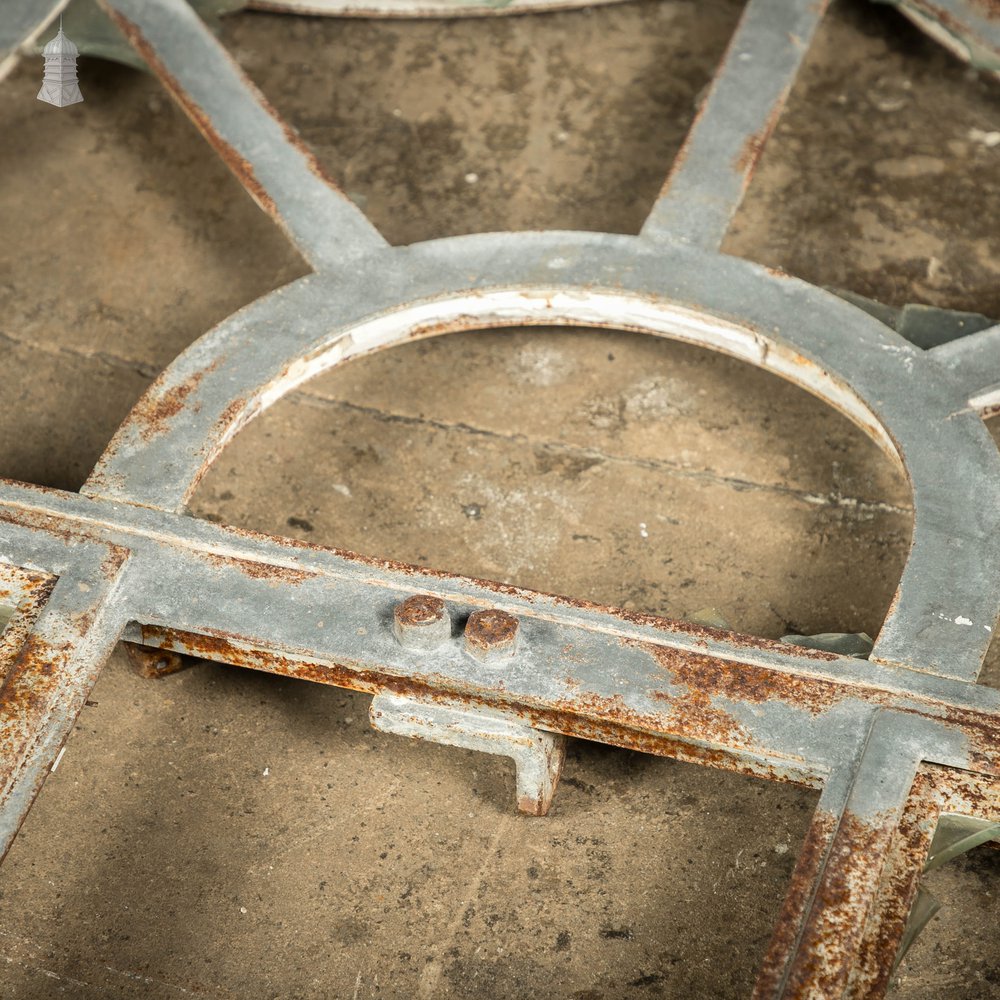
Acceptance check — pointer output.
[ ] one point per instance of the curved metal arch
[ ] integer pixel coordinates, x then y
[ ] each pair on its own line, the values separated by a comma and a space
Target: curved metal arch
776, 322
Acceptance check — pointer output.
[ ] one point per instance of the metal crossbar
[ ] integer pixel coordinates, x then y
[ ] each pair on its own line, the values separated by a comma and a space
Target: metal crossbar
893, 743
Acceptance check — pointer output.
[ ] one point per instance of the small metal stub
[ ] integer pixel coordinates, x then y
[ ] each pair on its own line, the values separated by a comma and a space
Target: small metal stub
538, 756
156, 663
491, 636
421, 622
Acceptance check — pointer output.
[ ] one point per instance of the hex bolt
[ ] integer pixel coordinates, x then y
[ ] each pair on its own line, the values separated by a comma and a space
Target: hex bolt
421, 622
491, 636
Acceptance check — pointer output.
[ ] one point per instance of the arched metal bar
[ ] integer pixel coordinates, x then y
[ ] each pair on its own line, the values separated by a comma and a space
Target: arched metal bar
948, 594
421, 8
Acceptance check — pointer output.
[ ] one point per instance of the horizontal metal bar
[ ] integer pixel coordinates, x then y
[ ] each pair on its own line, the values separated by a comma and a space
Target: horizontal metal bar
582, 670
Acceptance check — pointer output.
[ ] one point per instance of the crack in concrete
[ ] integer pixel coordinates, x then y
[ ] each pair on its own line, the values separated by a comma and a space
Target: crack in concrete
858, 505
833, 500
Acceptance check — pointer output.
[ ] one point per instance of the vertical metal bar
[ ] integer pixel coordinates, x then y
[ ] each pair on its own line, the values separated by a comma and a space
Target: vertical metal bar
821, 929
900, 880
713, 169
50, 677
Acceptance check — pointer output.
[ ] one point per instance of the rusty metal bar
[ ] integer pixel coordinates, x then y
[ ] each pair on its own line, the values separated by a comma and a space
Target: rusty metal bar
280, 173
713, 169
49, 675
892, 742
841, 869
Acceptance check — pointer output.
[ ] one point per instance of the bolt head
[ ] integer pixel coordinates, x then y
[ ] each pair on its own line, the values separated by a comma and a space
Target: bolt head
491, 636
421, 622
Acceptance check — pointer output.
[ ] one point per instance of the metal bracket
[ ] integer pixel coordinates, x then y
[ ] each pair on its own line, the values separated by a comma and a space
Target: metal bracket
538, 756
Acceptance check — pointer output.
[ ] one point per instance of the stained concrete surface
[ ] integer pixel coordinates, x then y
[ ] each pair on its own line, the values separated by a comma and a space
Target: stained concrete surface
226, 834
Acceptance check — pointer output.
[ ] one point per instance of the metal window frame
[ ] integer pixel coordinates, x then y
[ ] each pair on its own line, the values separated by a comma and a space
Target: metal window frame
892, 743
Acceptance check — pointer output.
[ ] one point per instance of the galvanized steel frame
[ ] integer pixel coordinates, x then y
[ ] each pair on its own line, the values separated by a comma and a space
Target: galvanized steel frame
892, 743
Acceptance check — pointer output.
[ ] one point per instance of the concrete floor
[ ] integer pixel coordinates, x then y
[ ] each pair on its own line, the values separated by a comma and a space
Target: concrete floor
226, 834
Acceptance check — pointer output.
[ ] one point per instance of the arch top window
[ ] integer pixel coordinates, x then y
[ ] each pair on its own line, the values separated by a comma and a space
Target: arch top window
506, 670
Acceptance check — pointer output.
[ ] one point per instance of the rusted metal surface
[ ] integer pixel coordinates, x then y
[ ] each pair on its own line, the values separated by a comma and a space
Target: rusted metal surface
491, 636
155, 663
421, 622
892, 743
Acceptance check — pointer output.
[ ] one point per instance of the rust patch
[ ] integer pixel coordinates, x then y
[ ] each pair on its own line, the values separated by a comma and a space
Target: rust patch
231, 412
420, 609
898, 890
30, 680
834, 927
748, 157
749, 152
159, 405
796, 905
155, 663
707, 677
260, 570
491, 631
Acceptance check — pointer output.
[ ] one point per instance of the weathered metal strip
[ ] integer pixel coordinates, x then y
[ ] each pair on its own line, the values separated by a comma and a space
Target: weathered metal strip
713, 169
820, 937
537, 755
44, 514
49, 676
975, 362
421, 8
265, 154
